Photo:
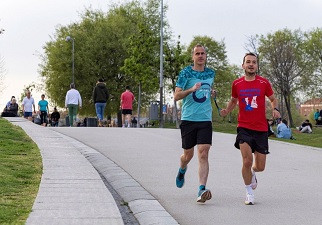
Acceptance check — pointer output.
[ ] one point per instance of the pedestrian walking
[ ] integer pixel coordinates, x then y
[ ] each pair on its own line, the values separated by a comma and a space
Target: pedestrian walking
194, 87
250, 92
43, 110
127, 99
28, 103
100, 97
73, 100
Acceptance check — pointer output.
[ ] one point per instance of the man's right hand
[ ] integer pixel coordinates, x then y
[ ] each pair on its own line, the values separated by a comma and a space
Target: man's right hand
196, 86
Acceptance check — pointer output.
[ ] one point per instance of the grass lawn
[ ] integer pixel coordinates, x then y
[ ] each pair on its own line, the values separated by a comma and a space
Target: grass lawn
20, 173
314, 139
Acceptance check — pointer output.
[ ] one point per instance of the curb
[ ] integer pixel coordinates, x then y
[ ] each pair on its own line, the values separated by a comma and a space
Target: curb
145, 208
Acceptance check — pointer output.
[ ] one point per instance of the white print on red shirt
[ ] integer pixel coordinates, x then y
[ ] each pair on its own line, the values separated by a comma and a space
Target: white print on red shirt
252, 104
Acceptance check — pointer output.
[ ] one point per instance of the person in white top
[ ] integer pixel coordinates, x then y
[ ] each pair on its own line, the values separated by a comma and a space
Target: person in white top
73, 100
27, 104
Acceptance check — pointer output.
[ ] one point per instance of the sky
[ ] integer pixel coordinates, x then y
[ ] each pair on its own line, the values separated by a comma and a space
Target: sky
29, 24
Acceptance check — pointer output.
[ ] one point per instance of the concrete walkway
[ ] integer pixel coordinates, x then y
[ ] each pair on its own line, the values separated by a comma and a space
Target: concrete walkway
71, 190
141, 165
288, 193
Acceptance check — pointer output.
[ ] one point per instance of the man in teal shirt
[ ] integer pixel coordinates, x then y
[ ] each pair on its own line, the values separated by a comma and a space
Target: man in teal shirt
194, 86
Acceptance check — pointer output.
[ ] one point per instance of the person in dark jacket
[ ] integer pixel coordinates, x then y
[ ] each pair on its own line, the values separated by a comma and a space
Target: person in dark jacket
55, 116
306, 127
100, 97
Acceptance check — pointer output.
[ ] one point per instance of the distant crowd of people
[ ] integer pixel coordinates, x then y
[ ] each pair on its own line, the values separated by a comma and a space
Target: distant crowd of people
73, 102
29, 110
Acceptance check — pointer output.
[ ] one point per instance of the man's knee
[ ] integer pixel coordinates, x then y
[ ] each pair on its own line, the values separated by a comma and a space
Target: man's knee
203, 151
247, 162
187, 155
260, 168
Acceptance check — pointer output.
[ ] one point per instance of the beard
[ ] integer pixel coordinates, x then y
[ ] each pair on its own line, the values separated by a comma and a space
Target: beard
250, 73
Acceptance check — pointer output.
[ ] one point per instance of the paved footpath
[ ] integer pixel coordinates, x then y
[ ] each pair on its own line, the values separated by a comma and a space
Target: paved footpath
141, 165
289, 191
71, 191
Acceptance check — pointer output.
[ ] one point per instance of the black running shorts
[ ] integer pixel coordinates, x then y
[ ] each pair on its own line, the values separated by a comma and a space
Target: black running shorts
127, 111
194, 133
257, 140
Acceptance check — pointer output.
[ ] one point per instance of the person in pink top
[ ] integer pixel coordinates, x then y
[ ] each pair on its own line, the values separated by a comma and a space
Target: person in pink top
127, 99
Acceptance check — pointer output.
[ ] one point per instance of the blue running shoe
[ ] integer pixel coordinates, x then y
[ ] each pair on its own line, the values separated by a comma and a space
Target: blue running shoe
180, 179
204, 195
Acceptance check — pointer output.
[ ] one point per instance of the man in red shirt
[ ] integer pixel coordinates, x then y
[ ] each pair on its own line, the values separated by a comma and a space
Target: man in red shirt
250, 93
127, 99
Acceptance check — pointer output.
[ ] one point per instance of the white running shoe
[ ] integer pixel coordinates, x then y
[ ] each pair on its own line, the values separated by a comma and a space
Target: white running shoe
249, 199
254, 181
204, 195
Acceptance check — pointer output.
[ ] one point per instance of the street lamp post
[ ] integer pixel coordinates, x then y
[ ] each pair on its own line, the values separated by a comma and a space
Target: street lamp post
69, 38
161, 67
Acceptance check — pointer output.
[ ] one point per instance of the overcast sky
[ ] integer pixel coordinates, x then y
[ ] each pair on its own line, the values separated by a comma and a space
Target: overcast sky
29, 24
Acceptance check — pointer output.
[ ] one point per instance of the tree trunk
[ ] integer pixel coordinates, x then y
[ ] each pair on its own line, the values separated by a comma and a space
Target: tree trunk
287, 99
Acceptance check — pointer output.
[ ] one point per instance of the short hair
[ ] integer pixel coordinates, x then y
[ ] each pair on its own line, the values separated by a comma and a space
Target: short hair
284, 121
249, 53
307, 120
197, 46
43, 95
101, 80
72, 85
127, 87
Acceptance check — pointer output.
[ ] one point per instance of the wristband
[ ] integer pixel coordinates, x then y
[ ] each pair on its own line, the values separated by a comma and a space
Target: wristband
276, 109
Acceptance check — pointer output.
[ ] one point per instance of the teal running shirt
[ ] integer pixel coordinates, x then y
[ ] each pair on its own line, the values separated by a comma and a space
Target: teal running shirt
197, 105
43, 105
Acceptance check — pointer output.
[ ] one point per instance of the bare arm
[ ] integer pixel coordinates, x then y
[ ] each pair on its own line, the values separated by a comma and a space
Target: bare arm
275, 113
230, 106
180, 94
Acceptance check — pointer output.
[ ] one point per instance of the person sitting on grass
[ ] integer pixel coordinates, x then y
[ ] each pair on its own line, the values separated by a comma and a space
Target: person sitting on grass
283, 131
306, 127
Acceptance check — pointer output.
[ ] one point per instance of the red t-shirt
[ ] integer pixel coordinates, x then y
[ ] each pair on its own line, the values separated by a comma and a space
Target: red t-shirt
127, 98
252, 103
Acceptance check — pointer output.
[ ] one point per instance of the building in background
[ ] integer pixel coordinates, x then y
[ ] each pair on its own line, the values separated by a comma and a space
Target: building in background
310, 106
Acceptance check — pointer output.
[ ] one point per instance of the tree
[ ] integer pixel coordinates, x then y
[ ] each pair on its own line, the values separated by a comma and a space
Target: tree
284, 64
313, 50
141, 65
103, 42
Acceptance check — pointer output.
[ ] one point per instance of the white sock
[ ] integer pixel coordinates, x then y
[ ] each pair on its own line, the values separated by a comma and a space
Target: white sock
249, 189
